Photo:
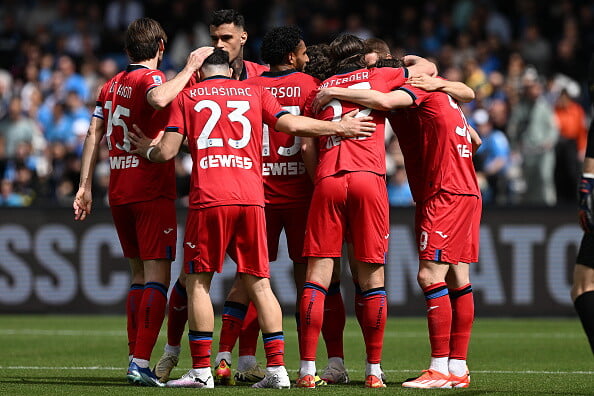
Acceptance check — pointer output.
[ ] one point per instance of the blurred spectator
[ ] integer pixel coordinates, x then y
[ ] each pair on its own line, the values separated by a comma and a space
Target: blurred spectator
120, 13
535, 50
18, 128
7, 195
533, 133
5, 92
72, 80
399, 193
492, 160
571, 146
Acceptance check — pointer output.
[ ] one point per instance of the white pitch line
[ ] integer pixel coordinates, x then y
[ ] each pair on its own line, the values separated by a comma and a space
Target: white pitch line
389, 334
350, 370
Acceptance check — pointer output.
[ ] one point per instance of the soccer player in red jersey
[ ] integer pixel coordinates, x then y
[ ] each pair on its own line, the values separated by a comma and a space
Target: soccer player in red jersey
222, 120
349, 196
437, 144
227, 31
141, 193
287, 188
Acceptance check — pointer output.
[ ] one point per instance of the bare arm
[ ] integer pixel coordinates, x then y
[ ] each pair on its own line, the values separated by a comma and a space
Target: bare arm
348, 126
475, 139
365, 97
163, 151
83, 200
309, 153
417, 65
457, 90
162, 95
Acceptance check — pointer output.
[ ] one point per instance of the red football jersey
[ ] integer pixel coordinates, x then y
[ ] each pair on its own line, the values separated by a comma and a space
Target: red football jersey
122, 103
286, 181
222, 120
250, 69
338, 154
435, 141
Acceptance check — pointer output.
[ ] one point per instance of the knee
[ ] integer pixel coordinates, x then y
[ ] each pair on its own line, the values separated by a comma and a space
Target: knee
425, 278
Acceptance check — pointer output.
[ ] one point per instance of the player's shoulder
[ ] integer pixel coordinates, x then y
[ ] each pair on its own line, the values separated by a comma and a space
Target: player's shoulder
307, 79
254, 69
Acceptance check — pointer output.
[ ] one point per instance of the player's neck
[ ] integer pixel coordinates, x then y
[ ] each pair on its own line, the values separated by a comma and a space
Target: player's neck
151, 63
237, 66
281, 68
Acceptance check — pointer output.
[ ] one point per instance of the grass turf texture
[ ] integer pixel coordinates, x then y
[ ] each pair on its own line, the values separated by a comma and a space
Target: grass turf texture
84, 355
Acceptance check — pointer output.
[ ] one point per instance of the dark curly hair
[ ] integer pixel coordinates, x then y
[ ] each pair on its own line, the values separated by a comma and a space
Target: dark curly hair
278, 42
347, 50
319, 65
221, 17
395, 63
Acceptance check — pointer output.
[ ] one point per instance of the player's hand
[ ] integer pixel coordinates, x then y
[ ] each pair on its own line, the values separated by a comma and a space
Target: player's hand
323, 97
586, 202
197, 57
426, 82
82, 204
140, 140
353, 126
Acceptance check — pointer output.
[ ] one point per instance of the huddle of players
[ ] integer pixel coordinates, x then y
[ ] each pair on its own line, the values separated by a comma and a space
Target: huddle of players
349, 196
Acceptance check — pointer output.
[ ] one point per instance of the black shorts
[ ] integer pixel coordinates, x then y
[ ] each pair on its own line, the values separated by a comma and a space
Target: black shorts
586, 253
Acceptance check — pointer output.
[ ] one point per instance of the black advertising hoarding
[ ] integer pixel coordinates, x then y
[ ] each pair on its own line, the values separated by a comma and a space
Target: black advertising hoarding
51, 264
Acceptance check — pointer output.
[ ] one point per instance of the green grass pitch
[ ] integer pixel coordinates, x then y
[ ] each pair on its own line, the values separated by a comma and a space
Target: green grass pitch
87, 355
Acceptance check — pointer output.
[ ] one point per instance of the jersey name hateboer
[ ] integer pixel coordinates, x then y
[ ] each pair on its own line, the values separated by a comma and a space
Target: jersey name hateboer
367, 154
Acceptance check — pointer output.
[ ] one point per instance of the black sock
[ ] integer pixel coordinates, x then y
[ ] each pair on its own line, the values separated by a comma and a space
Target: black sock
584, 305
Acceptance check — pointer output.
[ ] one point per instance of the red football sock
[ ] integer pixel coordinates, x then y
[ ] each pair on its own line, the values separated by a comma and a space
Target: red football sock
200, 346
334, 321
233, 314
150, 318
248, 338
439, 318
132, 305
462, 301
274, 347
311, 317
177, 314
359, 306
373, 317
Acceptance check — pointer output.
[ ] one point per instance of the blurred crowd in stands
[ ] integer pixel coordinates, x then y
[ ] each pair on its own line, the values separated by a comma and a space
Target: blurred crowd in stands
525, 59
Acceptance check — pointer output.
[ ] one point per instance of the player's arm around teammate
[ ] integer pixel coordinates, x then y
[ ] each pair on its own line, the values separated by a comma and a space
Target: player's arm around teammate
162, 95
348, 126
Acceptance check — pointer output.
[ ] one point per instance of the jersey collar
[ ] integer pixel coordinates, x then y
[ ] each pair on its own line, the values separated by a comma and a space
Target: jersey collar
135, 66
278, 73
217, 77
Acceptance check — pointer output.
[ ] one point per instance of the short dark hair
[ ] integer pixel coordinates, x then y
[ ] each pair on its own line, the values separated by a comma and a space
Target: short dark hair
278, 42
142, 39
347, 50
396, 63
221, 17
376, 45
319, 65
218, 57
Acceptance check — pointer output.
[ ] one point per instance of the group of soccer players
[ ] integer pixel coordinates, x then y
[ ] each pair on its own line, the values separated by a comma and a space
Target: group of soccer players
252, 177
